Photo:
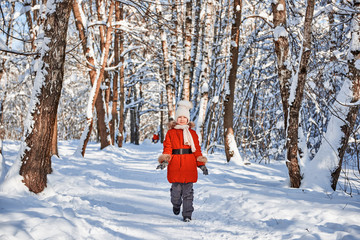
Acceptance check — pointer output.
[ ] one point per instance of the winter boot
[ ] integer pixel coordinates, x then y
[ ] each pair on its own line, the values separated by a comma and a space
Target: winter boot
187, 219
176, 210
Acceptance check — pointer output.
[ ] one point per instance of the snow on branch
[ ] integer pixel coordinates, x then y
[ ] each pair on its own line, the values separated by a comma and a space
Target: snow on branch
265, 19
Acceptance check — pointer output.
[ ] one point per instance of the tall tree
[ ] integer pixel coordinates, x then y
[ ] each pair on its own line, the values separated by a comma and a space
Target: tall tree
295, 100
231, 149
36, 157
347, 128
206, 54
282, 53
170, 87
2, 86
187, 51
166, 65
96, 77
117, 54
119, 50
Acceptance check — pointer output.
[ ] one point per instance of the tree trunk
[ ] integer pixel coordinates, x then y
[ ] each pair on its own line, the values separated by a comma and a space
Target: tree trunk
36, 158
115, 95
205, 74
102, 101
162, 137
104, 131
3, 70
54, 140
196, 39
170, 87
295, 102
166, 68
96, 78
282, 51
354, 75
187, 55
202, 110
99, 103
229, 138
120, 137
30, 20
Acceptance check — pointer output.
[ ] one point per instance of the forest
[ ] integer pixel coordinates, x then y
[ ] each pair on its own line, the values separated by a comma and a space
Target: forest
273, 80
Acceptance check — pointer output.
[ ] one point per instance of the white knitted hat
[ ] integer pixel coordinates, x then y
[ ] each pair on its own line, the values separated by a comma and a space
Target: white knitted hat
183, 109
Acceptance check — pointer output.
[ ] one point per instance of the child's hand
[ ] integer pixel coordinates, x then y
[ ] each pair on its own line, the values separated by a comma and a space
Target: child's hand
162, 165
204, 169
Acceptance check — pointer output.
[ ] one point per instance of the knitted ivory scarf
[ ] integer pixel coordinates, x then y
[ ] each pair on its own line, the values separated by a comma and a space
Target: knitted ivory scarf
188, 140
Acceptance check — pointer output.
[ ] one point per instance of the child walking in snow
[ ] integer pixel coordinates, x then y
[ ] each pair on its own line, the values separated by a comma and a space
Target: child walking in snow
182, 155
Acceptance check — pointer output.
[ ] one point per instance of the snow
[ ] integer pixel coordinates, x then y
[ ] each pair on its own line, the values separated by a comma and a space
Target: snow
236, 158
215, 99
116, 193
317, 174
294, 83
279, 31
51, 6
280, 7
205, 87
233, 44
3, 45
357, 64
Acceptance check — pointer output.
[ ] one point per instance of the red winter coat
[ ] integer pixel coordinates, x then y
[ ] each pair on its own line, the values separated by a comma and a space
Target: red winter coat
182, 168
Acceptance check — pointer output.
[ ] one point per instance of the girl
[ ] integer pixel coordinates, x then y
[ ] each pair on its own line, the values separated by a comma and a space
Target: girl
182, 154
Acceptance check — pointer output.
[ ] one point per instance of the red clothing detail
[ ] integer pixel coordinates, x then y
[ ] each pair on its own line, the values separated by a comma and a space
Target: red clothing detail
181, 168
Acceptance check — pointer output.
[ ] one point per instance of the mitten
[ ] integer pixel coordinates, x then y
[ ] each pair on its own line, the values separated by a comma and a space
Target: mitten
163, 161
162, 165
204, 169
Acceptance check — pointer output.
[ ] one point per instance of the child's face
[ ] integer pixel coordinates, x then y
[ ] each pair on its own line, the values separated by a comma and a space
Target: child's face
182, 120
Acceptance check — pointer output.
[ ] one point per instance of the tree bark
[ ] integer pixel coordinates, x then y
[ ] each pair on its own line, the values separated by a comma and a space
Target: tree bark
134, 117
162, 137
103, 129
166, 68
36, 158
295, 105
3, 70
96, 77
170, 87
354, 75
187, 55
30, 21
54, 140
282, 51
196, 39
102, 101
115, 95
119, 16
229, 137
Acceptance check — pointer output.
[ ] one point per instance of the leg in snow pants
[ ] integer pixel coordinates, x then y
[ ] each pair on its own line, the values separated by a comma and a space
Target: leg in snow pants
183, 193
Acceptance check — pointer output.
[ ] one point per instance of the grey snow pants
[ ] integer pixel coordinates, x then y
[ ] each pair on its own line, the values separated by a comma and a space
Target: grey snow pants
183, 193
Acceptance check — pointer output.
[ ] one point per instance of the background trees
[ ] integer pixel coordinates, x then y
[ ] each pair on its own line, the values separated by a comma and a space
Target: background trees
128, 63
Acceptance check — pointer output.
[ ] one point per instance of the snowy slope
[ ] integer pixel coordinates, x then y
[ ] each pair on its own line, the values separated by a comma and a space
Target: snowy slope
118, 194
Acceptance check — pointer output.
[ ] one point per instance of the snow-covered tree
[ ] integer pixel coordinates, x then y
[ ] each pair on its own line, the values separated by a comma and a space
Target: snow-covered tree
39, 127
231, 150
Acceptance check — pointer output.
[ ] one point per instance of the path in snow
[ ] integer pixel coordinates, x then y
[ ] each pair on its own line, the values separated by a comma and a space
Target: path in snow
118, 194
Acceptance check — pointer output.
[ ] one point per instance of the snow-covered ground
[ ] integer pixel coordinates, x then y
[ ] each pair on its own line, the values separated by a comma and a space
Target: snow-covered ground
118, 194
